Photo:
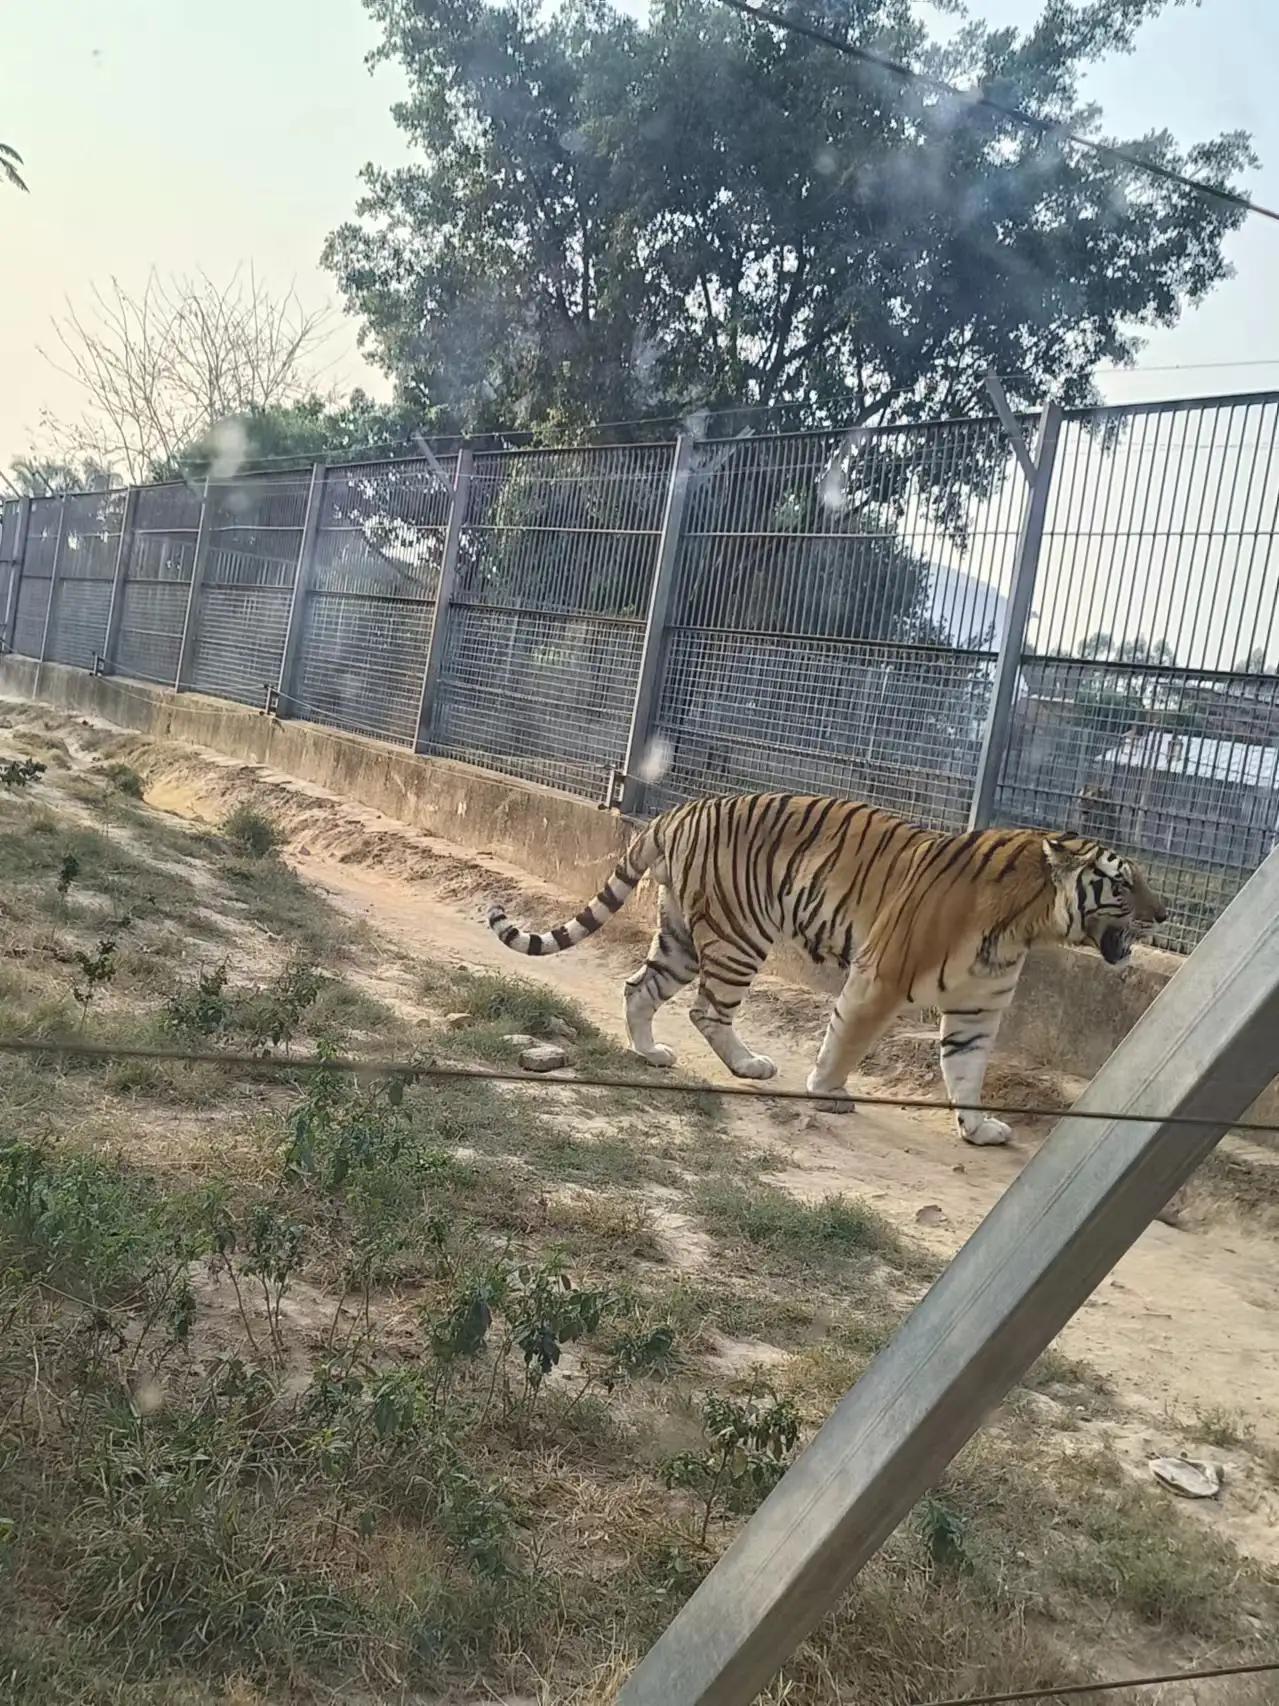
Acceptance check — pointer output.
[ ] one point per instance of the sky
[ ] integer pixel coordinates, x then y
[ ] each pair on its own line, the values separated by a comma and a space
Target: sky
182, 136
190, 137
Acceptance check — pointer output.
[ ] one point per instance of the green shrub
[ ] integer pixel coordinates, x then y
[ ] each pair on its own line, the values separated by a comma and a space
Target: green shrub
124, 779
250, 831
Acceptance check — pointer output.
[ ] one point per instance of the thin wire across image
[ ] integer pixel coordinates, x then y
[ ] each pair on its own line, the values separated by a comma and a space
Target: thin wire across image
251, 1065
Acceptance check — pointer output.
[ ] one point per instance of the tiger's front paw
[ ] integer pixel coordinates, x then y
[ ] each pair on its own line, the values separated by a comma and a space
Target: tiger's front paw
985, 1131
834, 1098
756, 1066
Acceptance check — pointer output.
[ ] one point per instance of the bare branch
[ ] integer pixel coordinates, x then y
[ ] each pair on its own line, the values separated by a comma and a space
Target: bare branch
159, 367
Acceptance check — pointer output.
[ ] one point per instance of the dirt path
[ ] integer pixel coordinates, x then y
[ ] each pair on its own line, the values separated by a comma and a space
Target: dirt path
1187, 1321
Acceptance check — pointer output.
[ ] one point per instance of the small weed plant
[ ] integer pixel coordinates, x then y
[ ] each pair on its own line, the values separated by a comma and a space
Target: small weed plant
251, 832
18, 773
536, 1309
95, 972
201, 1010
262, 1019
124, 780
68, 873
748, 1445
944, 1533
269, 1018
273, 1252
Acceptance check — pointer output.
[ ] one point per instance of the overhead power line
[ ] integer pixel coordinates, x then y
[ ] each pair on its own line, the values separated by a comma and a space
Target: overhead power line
1181, 366
373, 1067
1045, 127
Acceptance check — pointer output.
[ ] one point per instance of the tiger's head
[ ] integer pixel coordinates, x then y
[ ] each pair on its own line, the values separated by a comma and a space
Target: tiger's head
1101, 897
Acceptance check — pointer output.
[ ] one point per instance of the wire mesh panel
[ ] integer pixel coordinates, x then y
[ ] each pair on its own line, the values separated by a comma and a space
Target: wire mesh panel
1148, 708
546, 629
831, 625
9, 530
10, 510
37, 575
156, 582
834, 615
86, 568
369, 599
242, 602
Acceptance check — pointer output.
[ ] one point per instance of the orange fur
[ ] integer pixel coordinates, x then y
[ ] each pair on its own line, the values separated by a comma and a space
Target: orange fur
910, 914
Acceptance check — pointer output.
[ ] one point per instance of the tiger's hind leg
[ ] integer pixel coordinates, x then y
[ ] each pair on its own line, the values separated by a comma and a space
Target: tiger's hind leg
968, 1033
864, 1011
727, 971
671, 963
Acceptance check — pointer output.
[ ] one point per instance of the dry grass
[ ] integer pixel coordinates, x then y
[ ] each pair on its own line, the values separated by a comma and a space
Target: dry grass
332, 1391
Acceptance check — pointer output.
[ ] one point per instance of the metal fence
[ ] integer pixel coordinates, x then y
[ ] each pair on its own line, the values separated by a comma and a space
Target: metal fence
1148, 709
35, 578
822, 634
13, 524
367, 600
80, 598
540, 660
154, 590
1080, 628
252, 537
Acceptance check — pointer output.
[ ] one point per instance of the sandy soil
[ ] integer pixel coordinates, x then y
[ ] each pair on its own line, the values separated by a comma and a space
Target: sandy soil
1187, 1321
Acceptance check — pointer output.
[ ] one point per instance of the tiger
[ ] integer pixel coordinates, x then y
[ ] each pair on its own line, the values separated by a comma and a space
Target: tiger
910, 916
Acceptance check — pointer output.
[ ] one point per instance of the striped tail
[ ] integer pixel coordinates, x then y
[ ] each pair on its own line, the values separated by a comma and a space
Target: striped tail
612, 897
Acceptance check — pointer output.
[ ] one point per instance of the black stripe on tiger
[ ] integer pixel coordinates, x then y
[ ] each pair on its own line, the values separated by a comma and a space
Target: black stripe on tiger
596, 913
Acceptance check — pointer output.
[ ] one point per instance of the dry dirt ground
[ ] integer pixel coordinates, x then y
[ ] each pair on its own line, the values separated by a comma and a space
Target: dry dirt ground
1188, 1320
1186, 1326
1188, 1317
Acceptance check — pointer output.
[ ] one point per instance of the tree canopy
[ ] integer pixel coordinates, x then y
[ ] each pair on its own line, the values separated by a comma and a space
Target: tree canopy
48, 476
606, 219
313, 429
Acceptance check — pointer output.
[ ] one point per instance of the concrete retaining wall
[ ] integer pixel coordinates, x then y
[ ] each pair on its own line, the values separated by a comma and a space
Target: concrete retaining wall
551, 835
1070, 1012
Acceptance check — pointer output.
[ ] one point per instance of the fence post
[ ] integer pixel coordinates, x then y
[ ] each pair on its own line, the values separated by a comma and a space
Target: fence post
1201, 1053
444, 593
15, 579
648, 682
53, 592
117, 578
191, 621
994, 745
301, 580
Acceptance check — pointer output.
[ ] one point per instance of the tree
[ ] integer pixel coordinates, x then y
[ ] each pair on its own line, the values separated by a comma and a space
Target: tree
611, 220
314, 429
1253, 663
46, 477
1139, 650
10, 160
1114, 701
160, 368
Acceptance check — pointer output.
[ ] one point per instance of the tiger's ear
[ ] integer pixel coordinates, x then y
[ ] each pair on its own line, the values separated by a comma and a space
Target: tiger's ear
1061, 856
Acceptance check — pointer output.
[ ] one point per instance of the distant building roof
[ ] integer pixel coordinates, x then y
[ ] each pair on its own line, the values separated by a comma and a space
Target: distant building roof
1247, 764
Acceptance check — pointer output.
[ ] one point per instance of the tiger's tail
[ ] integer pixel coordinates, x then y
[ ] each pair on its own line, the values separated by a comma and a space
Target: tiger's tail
611, 898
